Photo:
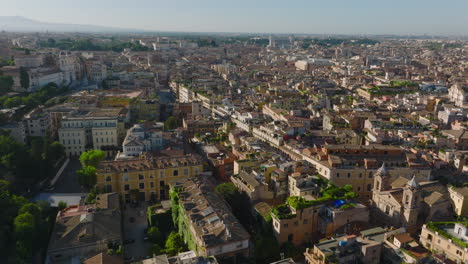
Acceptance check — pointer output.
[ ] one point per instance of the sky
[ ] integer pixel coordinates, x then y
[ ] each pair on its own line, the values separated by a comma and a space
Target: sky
444, 17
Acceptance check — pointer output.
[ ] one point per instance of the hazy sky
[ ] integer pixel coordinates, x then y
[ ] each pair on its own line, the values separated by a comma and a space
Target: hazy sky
277, 16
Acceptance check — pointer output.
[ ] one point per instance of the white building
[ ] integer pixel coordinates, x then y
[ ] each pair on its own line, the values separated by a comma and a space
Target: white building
85, 130
139, 140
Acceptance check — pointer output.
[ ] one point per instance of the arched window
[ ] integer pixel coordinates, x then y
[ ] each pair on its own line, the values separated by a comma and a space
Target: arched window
175, 173
369, 187
108, 179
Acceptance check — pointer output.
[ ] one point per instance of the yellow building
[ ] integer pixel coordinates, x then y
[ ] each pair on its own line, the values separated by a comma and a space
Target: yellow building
147, 178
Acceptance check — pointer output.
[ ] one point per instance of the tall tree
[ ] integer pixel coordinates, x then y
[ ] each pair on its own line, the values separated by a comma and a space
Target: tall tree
24, 78
87, 176
174, 244
92, 158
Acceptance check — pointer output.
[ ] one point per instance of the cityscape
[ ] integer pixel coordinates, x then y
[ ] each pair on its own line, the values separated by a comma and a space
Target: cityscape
125, 144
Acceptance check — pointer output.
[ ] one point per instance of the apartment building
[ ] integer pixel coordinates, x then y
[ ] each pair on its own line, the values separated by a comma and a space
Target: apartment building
148, 178
140, 140
83, 130
36, 123
449, 239
208, 225
345, 249
357, 164
459, 197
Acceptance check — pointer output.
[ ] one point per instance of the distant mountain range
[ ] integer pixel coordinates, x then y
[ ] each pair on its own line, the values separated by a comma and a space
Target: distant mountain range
23, 24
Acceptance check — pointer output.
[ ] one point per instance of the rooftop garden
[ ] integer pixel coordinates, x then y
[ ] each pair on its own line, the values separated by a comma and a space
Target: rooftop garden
439, 227
396, 84
327, 194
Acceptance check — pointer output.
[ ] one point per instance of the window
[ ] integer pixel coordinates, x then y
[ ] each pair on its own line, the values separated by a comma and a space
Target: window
126, 177
126, 187
337, 175
141, 177
108, 179
175, 173
142, 185
185, 171
108, 188
285, 225
161, 174
349, 175
161, 183
369, 187
370, 175
152, 184
360, 175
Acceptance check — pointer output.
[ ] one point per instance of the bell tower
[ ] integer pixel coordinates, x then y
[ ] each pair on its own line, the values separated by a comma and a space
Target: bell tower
382, 179
411, 201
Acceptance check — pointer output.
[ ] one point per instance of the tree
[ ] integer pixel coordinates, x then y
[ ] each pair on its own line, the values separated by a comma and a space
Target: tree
25, 233
267, 249
155, 235
156, 250
92, 158
54, 152
62, 205
174, 244
6, 83
24, 78
87, 176
171, 123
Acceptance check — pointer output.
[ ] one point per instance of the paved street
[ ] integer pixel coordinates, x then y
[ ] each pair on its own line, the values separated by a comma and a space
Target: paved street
138, 249
68, 181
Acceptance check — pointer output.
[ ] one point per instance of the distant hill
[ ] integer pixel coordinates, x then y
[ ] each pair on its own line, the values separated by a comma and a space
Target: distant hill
22, 24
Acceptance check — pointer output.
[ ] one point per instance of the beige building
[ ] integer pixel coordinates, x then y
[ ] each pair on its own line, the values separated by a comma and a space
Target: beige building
255, 188
408, 203
85, 231
345, 249
207, 224
459, 197
450, 240
36, 123
357, 164
296, 226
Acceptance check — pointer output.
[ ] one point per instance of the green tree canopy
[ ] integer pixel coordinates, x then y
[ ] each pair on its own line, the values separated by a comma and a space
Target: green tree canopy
174, 244
24, 78
62, 205
92, 158
155, 235
87, 176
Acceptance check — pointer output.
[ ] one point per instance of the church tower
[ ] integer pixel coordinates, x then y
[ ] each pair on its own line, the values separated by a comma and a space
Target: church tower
382, 179
411, 201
